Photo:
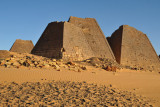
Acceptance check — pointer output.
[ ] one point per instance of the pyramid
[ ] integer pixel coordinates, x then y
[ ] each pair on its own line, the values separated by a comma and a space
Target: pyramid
22, 46
77, 39
4, 54
133, 48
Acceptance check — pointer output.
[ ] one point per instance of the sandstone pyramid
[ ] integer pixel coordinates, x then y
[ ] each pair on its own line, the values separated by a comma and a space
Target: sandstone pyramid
4, 54
133, 48
77, 39
22, 46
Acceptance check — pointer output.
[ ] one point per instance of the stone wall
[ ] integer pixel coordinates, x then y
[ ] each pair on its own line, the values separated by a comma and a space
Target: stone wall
94, 36
115, 42
22, 46
136, 49
51, 42
75, 44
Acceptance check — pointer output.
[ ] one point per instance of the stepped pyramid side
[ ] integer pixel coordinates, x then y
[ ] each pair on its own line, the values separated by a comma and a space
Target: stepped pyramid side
135, 48
115, 42
22, 46
4, 54
67, 40
51, 42
94, 36
75, 44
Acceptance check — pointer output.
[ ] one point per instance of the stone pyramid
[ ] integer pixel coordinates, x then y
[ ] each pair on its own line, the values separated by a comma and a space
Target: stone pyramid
133, 48
4, 54
22, 46
77, 39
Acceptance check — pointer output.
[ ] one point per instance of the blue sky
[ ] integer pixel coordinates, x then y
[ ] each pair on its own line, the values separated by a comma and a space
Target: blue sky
27, 19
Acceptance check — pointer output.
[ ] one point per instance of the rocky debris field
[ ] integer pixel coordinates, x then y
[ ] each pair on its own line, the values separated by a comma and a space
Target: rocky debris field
108, 64
17, 60
103, 63
33, 61
66, 93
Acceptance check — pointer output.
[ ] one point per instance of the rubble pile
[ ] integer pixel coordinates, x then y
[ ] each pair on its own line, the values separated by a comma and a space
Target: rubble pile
109, 64
33, 61
104, 63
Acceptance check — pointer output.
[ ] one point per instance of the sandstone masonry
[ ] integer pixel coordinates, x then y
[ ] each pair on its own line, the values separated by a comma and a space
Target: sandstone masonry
22, 46
77, 39
133, 48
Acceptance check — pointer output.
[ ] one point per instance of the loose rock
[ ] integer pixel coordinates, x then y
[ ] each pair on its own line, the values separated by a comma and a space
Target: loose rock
66, 93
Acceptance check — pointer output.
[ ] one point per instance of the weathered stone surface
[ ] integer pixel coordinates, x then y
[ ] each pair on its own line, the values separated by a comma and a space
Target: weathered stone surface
22, 46
4, 54
133, 48
104, 63
77, 39
111, 68
51, 42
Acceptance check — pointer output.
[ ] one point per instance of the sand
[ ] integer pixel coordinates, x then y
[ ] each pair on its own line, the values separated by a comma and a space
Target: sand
145, 84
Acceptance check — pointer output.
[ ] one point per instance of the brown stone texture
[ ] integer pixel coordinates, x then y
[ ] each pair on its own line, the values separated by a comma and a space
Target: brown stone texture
133, 48
4, 54
22, 46
51, 42
94, 36
75, 44
77, 39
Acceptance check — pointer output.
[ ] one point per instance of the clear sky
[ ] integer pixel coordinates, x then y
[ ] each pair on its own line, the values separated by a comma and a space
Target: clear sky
27, 19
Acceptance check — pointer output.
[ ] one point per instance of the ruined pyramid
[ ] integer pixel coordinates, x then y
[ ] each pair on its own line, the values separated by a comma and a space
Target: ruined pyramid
22, 46
133, 48
4, 54
77, 39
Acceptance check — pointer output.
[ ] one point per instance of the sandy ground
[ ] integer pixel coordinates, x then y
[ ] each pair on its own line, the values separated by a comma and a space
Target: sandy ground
142, 83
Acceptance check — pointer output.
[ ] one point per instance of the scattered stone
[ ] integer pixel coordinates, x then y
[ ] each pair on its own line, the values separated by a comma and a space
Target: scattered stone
54, 60
104, 63
108, 68
66, 93
111, 68
46, 66
16, 64
84, 68
33, 61
71, 63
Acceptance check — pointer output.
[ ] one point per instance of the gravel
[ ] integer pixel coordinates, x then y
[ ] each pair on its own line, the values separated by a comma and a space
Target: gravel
67, 93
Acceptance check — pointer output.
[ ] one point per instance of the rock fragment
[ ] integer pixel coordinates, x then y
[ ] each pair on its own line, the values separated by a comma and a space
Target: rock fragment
33, 61
67, 93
